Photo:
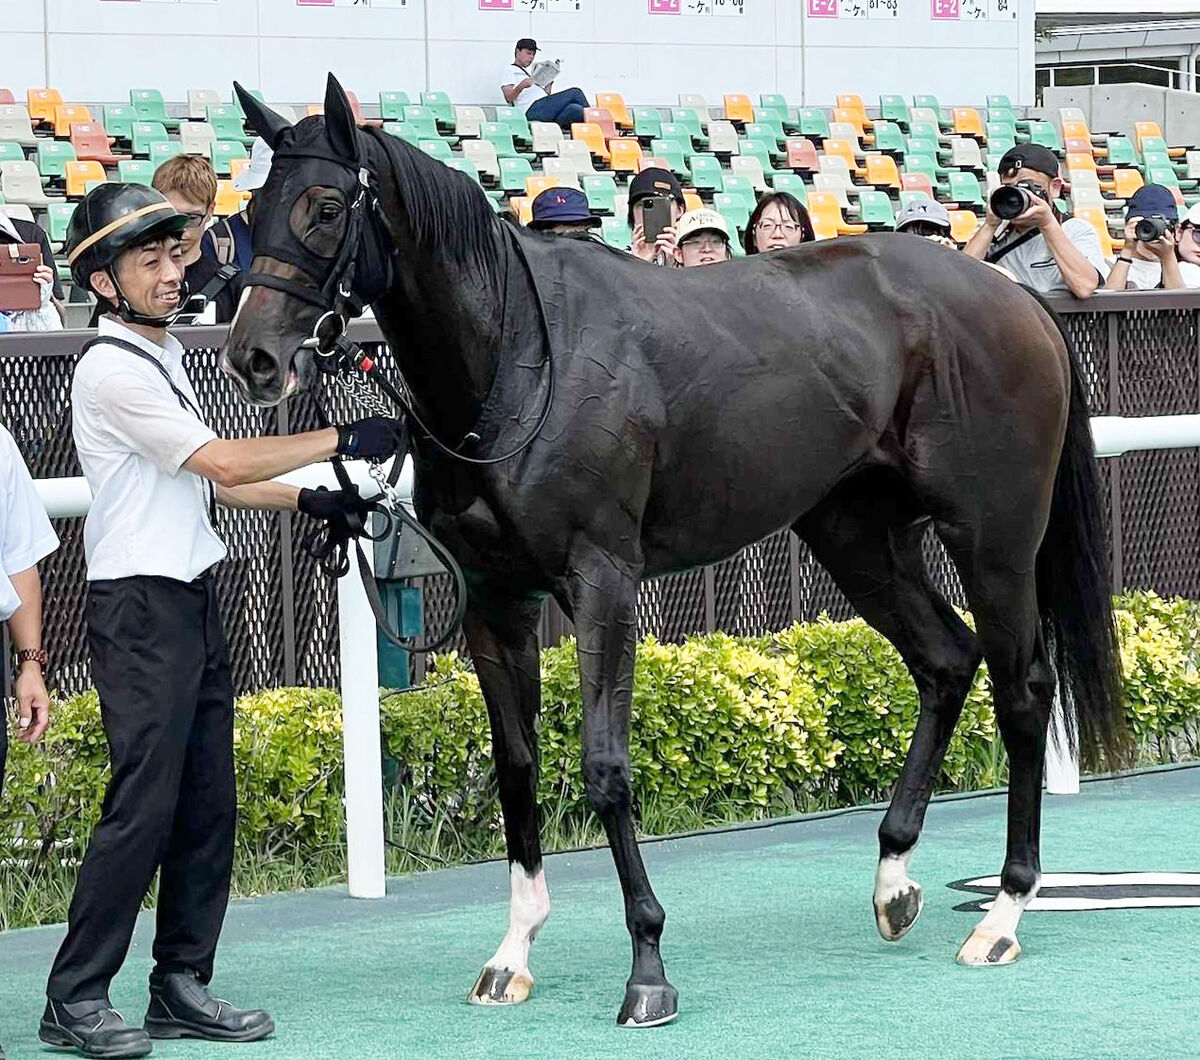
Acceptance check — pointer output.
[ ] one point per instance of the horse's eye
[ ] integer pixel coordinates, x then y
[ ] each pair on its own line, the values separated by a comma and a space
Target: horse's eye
329, 212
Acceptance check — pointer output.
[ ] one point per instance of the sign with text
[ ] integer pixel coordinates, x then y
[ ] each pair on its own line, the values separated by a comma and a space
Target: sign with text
734, 8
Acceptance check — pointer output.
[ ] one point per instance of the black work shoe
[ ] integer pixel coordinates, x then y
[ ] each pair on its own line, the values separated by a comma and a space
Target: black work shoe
95, 1028
182, 1007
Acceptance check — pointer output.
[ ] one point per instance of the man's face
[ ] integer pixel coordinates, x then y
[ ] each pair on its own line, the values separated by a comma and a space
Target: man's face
704, 248
150, 277
525, 56
198, 215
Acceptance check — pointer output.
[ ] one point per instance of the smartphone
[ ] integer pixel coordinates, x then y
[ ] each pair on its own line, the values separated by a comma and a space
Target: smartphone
656, 216
18, 288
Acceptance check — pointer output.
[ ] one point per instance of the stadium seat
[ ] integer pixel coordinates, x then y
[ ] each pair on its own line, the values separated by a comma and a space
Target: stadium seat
1075, 130
52, 158
1157, 143
843, 149
1076, 145
813, 123
738, 108
647, 123
924, 165
768, 126
15, 126
135, 171
58, 217
967, 122
593, 136
118, 121
999, 101
420, 122
907, 197
838, 183
1121, 152
537, 183
826, 216
893, 108
680, 132
498, 134
483, 154
148, 102
614, 103
928, 102
438, 149
965, 190
844, 130
760, 150
561, 168
924, 123
888, 137
600, 116
522, 206
1126, 182
1042, 132
470, 170
6, 96
917, 182
515, 119
223, 152
692, 121
854, 120
998, 132
882, 171
467, 120
733, 209
1000, 123
875, 209
91, 143
199, 100
793, 185
765, 133
1080, 160
197, 138
696, 102
20, 182
40, 104
965, 154
146, 133
578, 154
441, 107
802, 155
722, 138
67, 113
513, 174
750, 168
615, 232
392, 104
547, 135
850, 101
778, 104
1099, 221
601, 192
11, 152
17, 211
962, 225
161, 150
79, 173
741, 188
673, 153
625, 154
925, 131
229, 199
226, 124
707, 174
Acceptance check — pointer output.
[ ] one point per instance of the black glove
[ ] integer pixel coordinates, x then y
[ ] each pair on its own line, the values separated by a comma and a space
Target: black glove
375, 438
323, 503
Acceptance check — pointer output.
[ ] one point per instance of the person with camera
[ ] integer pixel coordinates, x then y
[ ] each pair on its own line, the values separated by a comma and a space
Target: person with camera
20, 313
159, 657
1024, 230
1149, 260
656, 204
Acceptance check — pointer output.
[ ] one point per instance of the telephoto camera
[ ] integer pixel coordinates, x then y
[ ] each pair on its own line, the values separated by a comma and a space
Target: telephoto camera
1012, 200
1148, 229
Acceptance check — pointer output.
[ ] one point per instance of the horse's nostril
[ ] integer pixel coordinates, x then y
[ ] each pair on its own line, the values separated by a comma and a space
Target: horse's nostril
261, 365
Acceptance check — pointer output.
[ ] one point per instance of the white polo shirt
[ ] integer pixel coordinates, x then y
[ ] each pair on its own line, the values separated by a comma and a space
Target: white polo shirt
26, 536
514, 75
148, 515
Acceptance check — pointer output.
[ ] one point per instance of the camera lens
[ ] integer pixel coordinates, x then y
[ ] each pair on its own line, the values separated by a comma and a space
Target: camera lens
1148, 229
1009, 201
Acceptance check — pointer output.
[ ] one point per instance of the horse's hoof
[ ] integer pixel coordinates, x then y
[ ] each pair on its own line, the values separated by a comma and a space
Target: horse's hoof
895, 915
500, 986
987, 947
648, 1006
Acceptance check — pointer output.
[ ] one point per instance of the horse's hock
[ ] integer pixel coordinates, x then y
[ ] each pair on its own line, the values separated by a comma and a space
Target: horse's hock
1139, 353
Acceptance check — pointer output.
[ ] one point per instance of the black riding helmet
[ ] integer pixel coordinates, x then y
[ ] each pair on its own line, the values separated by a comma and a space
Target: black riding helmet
111, 219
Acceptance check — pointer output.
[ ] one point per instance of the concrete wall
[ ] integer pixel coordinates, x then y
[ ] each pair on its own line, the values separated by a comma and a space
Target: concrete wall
1114, 108
95, 50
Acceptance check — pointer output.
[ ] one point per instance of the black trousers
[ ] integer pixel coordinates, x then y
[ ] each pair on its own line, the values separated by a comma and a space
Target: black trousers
161, 666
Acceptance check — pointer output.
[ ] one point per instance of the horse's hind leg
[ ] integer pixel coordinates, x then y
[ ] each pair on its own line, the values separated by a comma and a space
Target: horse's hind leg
501, 631
866, 537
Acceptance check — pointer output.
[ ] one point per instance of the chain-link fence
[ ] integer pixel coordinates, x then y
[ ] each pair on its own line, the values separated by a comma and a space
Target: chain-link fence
1141, 356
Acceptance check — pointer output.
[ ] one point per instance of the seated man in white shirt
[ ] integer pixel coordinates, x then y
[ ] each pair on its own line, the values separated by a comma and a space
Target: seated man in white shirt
540, 104
1149, 259
159, 656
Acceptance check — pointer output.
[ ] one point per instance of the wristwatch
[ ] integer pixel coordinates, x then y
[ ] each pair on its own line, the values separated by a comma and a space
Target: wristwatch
37, 655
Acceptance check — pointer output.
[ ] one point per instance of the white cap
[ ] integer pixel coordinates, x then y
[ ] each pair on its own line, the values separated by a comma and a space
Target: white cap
701, 220
1192, 217
254, 176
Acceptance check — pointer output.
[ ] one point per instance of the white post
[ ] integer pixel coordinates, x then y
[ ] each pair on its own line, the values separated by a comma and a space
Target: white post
360, 736
1062, 766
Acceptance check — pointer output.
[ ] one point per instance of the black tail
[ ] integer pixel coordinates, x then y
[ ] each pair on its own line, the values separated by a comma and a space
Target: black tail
1074, 591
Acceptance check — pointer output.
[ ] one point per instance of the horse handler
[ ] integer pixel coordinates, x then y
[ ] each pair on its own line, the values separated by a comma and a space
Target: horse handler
159, 657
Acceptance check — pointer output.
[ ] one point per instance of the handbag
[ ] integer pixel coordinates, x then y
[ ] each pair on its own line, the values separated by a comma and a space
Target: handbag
18, 289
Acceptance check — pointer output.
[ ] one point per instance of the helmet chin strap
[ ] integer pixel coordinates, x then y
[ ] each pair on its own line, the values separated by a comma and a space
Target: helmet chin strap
131, 316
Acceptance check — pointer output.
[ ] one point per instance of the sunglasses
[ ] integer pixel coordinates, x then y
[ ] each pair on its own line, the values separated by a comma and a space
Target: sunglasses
195, 220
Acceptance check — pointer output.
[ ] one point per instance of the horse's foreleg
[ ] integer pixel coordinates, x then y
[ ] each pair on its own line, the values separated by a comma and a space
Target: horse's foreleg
602, 594
502, 635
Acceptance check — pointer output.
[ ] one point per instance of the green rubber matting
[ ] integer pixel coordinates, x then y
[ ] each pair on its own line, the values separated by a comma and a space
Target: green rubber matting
770, 941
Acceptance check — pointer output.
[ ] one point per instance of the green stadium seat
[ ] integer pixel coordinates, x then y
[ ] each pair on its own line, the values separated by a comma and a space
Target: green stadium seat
932, 103
1046, 134
118, 120
917, 145
923, 165
11, 152
501, 137
437, 149
392, 104
515, 119
786, 113
1168, 177
52, 158
1121, 152
893, 108
465, 165
875, 209
442, 108
236, 103
680, 132
965, 190
1154, 158
601, 191
227, 124
998, 101
762, 150
792, 184
146, 133
707, 174
907, 197
733, 208
767, 119
814, 123
1003, 117
688, 117
673, 153
764, 134
421, 123
223, 152
741, 188
135, 171
148, 102
888, 137
402, 131
161, 150
924, 130
58, 217
998, 130
647, 123
615, 232
513, 171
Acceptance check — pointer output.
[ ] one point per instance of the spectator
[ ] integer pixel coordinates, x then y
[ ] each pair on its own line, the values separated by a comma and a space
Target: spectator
650, 183
1187, 244
926, 218
779, 221
540, 104
703, 239
1042, 248
190, 185
1148, 264
563, 212
50, 315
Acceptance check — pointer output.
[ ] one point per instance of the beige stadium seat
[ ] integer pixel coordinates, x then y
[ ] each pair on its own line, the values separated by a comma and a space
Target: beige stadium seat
483, 154
843, 130
468, 120
197, 138
993, 180
751, 169
698, 103
561, 168
579, 154
17, 211
1071, 114
1193, 164
200, 99
926, 114
15, 126
547, 135
964, 151
722, 138
20, 182
835, 184
288, 113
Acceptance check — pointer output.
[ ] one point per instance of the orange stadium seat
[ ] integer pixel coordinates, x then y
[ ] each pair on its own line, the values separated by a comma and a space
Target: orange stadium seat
967, 122
593, 136
1126, 182
855, 120
738, 108
692, 200
827, 218
1142, 129
801, 154
600, 116
624, 154
92, 143
229, 199
882, 171
41, 103
962, 225
522, 205
1076, 130
850, 101
842, 149
1096, 217
313, 110
236, 165
538, 183
614, 103
79, 173
68, 114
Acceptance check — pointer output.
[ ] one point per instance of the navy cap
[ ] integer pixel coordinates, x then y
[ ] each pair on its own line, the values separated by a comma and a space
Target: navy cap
1152, 200
557, 206
1029, 156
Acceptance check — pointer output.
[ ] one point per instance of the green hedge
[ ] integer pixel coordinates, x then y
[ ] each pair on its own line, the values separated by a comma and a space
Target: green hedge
816, 716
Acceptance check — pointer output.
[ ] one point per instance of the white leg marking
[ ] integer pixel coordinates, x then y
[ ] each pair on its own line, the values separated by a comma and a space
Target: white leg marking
506, 978
994, 940
897, 898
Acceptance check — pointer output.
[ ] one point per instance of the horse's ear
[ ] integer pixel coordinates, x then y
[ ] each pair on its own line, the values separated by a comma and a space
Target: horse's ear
261, 118
340, 125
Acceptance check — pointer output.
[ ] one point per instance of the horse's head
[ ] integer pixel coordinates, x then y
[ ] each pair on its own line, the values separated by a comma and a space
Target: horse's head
318, 247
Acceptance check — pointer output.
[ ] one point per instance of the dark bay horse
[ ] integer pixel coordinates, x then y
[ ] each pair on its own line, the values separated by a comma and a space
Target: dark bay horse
853, 390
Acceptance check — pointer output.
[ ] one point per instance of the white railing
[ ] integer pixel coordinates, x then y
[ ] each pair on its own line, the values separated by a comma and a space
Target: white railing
69, 498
